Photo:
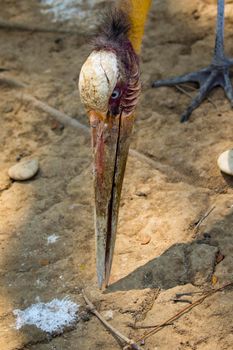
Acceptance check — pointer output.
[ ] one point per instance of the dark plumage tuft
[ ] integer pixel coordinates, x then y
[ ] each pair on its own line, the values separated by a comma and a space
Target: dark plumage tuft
115, 24
114, 28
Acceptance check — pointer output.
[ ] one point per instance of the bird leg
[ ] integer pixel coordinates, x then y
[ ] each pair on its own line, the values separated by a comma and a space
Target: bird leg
216, 74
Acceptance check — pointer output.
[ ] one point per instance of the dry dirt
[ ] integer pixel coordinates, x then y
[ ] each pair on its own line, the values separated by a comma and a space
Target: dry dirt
158, 252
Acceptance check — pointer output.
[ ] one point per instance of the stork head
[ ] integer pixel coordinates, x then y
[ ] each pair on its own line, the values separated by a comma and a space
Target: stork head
109, 88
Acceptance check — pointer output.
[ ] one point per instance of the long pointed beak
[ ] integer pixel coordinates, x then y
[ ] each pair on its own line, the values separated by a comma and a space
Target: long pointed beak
110, 141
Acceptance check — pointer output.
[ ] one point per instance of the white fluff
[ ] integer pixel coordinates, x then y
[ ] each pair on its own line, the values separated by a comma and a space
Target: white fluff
50, 317
52, 238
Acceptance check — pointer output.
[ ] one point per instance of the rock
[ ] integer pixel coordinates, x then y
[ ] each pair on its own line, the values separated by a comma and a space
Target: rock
225, 162
201, 262
24, 170
224, 271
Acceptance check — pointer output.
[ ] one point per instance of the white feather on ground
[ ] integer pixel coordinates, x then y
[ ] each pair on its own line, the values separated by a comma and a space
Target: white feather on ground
52, 238
50, 317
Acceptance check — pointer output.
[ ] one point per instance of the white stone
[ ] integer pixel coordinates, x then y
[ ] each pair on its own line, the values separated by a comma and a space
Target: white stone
225, 162
24, 170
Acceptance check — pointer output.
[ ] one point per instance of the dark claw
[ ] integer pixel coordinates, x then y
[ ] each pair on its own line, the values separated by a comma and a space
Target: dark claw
228, 88
197, 100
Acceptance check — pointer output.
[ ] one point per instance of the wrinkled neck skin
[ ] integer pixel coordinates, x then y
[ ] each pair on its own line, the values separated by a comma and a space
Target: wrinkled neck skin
137, 11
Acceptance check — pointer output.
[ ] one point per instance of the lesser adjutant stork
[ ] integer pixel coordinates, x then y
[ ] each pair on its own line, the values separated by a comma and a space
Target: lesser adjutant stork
110, 86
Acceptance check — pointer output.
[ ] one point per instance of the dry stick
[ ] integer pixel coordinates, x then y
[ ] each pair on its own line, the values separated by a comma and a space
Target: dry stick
31, 28
4, 69
143, 158
146, 327
182, 312
11, 82
66, 120
130, 343
204, 217
60, 116
193, 89
184, 91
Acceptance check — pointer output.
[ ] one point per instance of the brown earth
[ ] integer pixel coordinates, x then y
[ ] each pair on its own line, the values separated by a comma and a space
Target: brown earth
158, 252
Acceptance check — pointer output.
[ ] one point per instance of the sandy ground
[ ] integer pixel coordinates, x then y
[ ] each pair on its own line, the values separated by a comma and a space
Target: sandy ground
158, 252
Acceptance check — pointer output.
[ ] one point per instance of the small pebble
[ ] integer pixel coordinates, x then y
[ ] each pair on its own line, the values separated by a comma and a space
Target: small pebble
108, 315
85, 316
24, 170
44, 262
145, 239
141, 194
225, 162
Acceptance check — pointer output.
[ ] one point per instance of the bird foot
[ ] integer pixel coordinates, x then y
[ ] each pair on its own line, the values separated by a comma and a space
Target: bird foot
216, 74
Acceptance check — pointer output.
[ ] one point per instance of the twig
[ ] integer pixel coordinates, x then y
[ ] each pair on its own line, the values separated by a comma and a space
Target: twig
182, 312
184, 91
182, 301
193, 89
143, 158
203, 218
146, 327
66, 120
179, 295
11, 82
10, 26
60, 116
4, 69
114, 331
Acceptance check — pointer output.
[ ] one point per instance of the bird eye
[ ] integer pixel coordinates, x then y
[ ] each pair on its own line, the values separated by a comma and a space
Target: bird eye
115, 94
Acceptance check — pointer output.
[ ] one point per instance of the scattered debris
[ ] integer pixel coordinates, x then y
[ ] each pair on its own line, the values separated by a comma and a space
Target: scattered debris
24, 170
214, 280
52, 239
44, 262
50, 317
157, 328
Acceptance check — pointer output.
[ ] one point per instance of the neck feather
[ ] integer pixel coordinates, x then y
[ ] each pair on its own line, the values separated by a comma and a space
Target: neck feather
137, 11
